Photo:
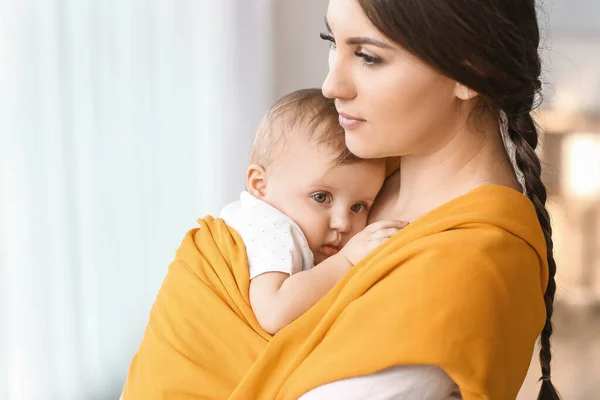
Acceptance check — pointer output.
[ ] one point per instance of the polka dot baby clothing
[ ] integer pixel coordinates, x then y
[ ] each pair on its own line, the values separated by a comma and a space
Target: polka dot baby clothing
274, 243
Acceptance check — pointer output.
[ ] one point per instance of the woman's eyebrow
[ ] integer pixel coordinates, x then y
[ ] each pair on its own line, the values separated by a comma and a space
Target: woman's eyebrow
366, 40
361, 40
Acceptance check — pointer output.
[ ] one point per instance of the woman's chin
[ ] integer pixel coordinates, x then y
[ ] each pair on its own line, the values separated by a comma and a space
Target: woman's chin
361, 147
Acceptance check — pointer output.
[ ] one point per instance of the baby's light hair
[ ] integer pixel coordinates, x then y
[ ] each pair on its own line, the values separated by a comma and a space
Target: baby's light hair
307, 108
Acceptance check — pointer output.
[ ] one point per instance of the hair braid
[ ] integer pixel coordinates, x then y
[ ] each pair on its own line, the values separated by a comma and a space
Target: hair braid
523, 133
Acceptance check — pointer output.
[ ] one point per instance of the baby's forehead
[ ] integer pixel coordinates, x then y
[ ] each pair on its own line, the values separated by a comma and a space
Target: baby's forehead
363, 178
300, 142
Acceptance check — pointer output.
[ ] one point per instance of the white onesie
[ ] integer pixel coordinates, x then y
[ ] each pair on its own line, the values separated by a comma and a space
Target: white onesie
274, 243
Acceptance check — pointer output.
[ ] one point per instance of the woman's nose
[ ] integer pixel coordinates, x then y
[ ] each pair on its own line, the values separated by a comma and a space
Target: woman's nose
338, 83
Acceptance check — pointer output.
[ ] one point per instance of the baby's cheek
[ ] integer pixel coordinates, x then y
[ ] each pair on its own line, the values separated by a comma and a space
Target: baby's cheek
314, 243
358, 227
318, 258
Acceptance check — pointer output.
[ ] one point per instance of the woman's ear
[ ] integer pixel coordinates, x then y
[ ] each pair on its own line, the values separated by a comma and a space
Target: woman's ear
256, 181
464, 93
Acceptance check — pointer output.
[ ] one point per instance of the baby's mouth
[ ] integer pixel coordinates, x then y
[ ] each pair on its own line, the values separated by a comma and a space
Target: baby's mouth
329, 250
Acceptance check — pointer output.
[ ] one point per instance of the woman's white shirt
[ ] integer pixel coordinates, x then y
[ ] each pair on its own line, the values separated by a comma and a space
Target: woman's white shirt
406, 382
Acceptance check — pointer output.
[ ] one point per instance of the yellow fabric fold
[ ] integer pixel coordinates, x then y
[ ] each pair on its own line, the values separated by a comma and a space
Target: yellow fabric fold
460, 288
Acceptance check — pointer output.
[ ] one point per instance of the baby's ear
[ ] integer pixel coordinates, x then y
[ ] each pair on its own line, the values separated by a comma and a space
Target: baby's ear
256, 180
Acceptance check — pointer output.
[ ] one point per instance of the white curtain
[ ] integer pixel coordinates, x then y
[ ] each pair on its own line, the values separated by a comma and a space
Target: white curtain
122, 121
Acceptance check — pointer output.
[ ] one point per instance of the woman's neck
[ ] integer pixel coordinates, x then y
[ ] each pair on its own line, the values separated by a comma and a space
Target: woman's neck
471, 159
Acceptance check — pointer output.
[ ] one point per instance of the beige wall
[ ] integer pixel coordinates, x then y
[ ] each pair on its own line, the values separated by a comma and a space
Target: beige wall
300, 55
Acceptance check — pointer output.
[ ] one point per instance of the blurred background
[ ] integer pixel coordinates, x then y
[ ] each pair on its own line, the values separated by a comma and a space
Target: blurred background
122, 121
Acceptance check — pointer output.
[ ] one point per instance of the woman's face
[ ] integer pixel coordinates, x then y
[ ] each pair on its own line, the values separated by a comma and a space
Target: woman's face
390, 102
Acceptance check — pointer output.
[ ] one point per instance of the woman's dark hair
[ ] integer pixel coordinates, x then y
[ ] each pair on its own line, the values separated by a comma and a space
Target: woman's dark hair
491, 47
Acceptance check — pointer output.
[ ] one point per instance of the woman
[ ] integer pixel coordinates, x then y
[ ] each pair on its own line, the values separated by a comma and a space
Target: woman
452, 305
433, 82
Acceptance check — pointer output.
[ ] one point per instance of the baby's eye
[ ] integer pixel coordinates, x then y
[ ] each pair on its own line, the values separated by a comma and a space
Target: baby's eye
358, 208
321, 197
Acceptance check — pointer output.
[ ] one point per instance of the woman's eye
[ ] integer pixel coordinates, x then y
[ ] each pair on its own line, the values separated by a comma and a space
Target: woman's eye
367, 59
329, 38
320, 197
358, 208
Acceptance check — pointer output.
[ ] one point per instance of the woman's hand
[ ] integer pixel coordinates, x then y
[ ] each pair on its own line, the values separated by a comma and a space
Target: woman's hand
367, 240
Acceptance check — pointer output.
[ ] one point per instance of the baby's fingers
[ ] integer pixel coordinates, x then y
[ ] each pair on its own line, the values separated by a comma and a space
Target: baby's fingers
384, 233
385, 224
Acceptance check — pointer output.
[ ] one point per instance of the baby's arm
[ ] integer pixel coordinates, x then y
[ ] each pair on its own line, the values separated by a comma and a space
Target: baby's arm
277, 298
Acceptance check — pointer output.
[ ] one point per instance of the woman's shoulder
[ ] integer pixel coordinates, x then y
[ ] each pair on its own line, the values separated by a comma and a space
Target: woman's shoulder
491, 232
489, 207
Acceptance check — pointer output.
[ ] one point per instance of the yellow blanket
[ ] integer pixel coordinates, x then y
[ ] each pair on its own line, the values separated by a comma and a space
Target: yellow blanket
461, 288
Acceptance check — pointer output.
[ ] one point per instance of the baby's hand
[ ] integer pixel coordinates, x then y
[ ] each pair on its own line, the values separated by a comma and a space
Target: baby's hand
370, 238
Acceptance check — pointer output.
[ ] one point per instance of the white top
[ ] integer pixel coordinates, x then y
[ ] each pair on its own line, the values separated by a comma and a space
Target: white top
274, 243
405, 382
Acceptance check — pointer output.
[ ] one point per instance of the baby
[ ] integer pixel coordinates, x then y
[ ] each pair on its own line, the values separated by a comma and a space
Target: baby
303, 216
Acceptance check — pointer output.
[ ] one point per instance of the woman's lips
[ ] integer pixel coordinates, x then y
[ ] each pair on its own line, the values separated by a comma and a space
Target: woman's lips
349, 122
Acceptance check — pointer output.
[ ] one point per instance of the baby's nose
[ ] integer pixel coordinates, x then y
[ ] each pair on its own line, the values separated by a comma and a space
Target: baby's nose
341, 223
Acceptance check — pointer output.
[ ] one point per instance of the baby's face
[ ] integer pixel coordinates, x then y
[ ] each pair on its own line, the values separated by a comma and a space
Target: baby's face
330, 203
